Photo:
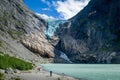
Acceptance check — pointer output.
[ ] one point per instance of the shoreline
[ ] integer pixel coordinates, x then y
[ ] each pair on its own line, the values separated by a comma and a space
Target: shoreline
43, 75
62, 74
36, 74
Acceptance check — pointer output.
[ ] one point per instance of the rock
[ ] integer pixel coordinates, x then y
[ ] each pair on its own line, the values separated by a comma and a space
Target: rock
2, 71
94, 30
22, 31
9, 71
91, 36
16, 71
38, 44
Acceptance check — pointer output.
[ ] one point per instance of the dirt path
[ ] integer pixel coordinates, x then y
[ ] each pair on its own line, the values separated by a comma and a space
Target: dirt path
42, 75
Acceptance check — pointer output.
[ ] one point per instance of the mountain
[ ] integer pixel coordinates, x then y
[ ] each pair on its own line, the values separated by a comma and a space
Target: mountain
22, 32
93, 35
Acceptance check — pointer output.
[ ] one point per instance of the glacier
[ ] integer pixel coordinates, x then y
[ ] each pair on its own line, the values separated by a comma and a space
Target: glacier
52, 25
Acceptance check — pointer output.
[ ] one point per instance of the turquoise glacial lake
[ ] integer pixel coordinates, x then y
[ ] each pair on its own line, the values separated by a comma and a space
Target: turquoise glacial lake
86, 71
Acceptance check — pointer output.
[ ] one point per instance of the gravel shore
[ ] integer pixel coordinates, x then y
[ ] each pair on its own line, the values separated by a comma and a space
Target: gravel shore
36, 75
42, 75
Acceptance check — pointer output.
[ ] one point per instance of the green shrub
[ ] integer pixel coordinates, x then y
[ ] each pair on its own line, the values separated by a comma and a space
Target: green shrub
0, 43
14, 34
1, 52
15, 63
15, 78
1, 76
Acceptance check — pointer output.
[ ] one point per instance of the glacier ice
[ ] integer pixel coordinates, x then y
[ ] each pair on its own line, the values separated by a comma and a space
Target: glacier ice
52, 25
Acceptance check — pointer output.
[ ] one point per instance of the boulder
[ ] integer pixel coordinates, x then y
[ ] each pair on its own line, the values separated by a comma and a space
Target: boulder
9, 71
16, 71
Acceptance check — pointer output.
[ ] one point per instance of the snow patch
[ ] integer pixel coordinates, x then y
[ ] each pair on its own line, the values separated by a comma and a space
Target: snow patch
64, 56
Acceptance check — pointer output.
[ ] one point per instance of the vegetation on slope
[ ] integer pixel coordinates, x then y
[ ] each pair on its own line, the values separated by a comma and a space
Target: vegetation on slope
7, 61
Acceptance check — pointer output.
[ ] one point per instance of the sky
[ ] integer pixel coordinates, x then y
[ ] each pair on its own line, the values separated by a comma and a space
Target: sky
56, 9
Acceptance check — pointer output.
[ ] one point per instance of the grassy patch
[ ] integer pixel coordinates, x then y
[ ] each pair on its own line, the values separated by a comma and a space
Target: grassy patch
15, 63
1, 76
0, 43
107, 49
14, 34
1, 52
15, 78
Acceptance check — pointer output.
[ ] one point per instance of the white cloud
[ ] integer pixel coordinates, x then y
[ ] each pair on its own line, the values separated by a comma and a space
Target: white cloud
69, 8
44, 16
46, 2
45, 9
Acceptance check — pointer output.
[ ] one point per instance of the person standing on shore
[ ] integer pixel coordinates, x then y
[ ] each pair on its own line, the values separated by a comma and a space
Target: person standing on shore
38, 68
50, 73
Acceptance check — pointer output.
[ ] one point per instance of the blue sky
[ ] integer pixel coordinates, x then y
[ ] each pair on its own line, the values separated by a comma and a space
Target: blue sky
56, 9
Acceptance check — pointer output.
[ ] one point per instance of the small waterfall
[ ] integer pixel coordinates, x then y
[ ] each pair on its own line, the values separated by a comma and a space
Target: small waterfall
65, 57
52, 26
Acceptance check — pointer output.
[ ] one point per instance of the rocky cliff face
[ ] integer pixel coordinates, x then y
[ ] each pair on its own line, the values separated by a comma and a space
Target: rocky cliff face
93, 35
22, 32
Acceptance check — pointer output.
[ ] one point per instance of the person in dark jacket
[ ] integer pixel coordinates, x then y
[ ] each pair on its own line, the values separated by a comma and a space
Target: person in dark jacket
50, 73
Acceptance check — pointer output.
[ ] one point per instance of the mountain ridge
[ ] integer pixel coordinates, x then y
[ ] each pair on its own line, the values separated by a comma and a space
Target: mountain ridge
92, 36
21, 28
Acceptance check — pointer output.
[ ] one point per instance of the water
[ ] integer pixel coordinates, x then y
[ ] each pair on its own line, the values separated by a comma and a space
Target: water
87, 71
52, 26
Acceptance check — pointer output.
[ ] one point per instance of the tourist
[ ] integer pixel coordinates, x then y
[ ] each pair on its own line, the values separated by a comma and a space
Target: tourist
50, 73
38, 69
